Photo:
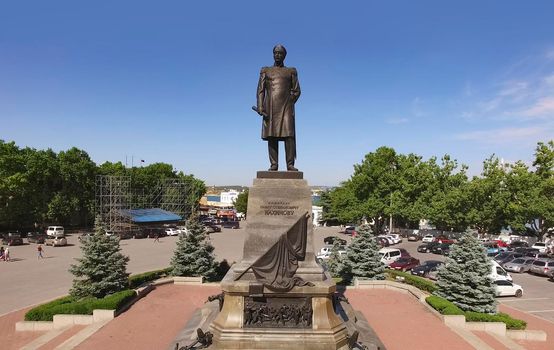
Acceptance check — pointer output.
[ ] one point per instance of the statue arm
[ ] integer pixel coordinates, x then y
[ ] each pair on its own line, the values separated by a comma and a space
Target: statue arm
295, 90
260, 92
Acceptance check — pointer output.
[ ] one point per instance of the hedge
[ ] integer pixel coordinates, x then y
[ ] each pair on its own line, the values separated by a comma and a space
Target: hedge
416, 281
446, 307
141, 278
68, 305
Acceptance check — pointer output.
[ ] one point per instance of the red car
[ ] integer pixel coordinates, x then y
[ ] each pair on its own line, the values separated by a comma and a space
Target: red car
501, 243
404, 263
444, 239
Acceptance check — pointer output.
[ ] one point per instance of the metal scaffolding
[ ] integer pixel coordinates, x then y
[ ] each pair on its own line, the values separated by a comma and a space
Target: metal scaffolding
116, 193
112, 195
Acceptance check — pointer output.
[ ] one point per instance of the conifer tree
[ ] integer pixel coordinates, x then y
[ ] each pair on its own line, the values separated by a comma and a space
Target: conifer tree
103, 269
193, 255
362, 258
464, 279
334, 262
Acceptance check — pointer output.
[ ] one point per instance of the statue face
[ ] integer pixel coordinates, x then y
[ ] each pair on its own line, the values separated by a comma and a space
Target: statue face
279, 56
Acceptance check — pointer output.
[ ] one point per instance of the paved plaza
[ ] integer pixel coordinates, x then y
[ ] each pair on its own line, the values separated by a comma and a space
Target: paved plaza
28, 280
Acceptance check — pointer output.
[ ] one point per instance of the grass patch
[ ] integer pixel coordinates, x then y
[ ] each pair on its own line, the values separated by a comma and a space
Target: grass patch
446, 307
416, 281
68, 305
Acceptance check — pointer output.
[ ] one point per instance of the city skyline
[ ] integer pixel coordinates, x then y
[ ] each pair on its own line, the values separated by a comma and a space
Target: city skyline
174, 82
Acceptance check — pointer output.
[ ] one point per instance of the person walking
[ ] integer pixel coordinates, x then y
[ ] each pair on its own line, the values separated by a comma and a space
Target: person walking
7, 254
157, 238
2, 256
39, 250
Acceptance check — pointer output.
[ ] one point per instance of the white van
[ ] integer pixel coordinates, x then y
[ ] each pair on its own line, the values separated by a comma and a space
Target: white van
390, 255
55, 231
498, 273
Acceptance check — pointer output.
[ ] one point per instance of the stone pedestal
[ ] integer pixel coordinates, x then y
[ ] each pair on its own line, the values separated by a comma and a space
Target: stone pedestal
247, 320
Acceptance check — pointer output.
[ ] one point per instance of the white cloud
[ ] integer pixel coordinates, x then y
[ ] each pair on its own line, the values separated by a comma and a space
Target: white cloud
503, 135
544, 107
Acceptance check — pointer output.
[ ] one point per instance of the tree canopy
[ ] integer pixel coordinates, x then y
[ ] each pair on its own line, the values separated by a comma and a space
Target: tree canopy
41, 187
409, 188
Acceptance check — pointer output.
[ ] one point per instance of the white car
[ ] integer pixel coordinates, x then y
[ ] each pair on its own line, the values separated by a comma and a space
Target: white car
172, 231
325, 252
55, 231
507, 288
541, 246
388, 238
396, 237
428, 239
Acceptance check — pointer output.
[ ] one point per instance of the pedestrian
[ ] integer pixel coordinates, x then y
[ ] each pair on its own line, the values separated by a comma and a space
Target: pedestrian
2, 257
7, 254
156, 238
39, 250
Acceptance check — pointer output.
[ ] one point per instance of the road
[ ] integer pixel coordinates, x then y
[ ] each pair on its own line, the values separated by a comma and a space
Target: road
28, 280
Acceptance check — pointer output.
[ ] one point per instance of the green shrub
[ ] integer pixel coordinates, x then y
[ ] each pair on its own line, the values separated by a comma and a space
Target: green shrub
68, 305
416, 281
511, 323
446, 307
141, 278
443, 306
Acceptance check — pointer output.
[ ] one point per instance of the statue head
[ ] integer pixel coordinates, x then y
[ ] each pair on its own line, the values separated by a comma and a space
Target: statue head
279, 54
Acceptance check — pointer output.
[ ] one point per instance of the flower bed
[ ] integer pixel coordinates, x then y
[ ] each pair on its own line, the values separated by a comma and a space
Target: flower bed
68, 305
446, 307
416, 281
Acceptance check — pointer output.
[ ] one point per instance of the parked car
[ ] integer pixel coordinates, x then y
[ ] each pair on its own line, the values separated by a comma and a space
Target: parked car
427, 247
383, 242
413, 238
501, 243
332, 239
443, 239
540, 246
543, 267
441, 248
172, 232
388, 255
139, 234
518, 244
209, 228
124, 234
36, 237
492, 248
83, 237
396, 237
498, 272
12, 238
507, 288
427, 267
505, 257
518, 265
350, 230
55, 241
389, 239
56, 231
405, 263
428, 239
230, 224
325, 252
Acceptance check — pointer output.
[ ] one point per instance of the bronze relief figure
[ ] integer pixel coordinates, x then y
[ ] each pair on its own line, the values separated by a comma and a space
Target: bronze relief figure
278, 91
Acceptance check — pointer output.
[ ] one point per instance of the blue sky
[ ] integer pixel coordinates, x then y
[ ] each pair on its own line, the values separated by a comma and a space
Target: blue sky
174, 81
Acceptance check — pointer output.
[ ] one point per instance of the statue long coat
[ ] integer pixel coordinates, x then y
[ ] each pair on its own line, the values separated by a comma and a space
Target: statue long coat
278, 91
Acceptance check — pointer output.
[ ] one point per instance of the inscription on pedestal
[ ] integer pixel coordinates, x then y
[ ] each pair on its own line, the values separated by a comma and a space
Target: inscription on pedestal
261, 312
276, 208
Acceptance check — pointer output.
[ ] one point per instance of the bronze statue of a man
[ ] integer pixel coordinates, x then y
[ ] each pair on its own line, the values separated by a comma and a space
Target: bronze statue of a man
278, 91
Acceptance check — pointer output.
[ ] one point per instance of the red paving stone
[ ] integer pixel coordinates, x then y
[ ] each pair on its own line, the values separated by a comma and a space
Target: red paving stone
154, 321
9, 338
490, 340
52, 344
401, 322
533, 323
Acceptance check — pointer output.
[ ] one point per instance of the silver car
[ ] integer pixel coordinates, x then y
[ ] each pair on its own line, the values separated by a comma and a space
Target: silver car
519, 265
542, 267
